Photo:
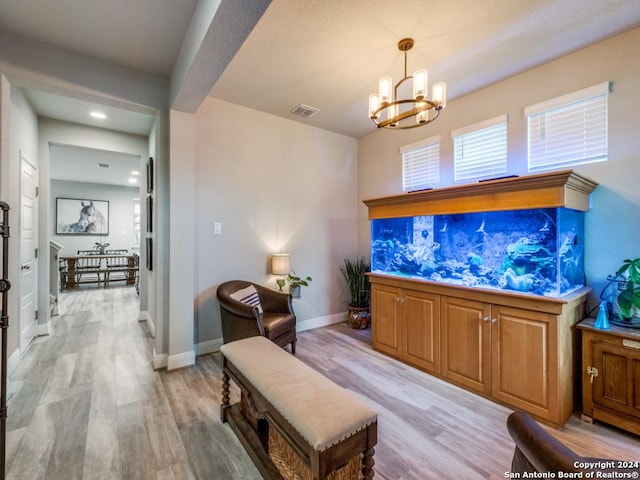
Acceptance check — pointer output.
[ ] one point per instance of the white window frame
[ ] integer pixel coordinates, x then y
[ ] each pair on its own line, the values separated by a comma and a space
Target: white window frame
480, 150
568, 130
421, 164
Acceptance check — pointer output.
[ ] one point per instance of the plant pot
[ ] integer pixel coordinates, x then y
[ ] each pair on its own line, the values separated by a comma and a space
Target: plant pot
294, 290
359, 317
615, 314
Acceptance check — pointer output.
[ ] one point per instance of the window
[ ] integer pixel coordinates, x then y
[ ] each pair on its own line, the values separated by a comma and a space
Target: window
480, 150
569, 130
421, 164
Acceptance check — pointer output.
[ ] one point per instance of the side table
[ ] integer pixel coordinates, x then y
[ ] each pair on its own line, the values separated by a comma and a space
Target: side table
611, 375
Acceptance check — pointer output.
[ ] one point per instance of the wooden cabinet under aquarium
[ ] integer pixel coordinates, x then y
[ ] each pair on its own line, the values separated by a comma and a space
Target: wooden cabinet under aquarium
481, 285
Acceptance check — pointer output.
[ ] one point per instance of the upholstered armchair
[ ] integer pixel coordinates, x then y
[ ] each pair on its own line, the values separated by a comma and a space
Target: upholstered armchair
537, 451
244, 314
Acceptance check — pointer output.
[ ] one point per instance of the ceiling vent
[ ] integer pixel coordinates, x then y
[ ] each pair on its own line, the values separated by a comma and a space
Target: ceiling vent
305, 110
104, 165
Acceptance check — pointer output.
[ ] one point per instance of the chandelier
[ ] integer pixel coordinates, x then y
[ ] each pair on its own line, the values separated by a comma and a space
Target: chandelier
388, 111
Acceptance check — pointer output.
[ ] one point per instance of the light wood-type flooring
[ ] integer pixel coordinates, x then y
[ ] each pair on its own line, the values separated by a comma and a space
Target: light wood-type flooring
86, 404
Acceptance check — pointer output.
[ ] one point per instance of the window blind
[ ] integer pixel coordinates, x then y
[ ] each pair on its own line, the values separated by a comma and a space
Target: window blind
569, 130
421, 164
480, 150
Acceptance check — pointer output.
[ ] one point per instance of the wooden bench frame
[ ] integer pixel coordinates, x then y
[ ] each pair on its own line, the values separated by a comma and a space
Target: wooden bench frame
68, 275
253, 438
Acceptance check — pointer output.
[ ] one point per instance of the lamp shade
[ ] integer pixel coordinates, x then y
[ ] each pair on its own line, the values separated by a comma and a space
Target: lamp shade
280, 263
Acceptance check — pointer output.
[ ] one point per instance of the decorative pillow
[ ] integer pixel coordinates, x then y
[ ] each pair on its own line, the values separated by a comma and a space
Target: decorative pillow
248, 295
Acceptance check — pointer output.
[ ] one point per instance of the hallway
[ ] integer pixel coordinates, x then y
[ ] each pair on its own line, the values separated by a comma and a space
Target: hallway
87, 404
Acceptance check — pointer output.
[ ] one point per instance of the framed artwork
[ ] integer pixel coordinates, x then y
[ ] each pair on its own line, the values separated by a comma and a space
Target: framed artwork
149, 214
150, 175
79, 216
149, 254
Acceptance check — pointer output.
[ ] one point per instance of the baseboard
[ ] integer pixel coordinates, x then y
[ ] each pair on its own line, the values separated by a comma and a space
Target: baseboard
181, 360
210, 346
144, 316
13, 361
318, 322
159, 360
44, 329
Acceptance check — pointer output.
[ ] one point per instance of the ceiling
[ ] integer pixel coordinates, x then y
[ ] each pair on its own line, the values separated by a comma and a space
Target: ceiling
80, 164
144, 35
326, 54
329, 54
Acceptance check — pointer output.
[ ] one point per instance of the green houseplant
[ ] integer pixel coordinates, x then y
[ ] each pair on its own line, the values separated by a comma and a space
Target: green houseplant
295, 283
355, 273
101, 247
628, 280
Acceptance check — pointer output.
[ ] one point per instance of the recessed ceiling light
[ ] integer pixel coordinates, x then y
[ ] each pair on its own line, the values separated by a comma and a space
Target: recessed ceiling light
99, 115
135, 172
133, 180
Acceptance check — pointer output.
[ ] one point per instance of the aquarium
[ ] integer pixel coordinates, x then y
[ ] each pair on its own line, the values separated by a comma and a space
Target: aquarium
538, 251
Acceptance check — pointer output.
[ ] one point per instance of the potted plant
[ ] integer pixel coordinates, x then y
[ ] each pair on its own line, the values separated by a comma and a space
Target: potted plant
294, 282
627, 279
354, 272
101, 247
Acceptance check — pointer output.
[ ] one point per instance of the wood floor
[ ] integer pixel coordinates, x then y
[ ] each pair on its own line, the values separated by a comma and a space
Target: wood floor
86, 404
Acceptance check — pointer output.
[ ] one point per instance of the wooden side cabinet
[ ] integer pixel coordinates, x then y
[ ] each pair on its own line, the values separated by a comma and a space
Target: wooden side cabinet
611, 375
515, 349
506, 353
466, 343
407, 325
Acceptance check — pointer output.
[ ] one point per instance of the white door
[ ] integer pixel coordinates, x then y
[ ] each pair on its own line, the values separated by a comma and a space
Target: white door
28, 245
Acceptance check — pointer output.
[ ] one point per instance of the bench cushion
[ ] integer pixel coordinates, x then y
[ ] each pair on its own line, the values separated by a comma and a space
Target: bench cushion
321, 411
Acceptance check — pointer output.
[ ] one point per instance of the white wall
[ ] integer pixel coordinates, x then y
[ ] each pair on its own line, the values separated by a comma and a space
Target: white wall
274, 185
120, 198
612, 226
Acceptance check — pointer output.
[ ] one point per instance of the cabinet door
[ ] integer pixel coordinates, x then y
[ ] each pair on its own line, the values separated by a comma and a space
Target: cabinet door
617, 385
524, 360
466, 343
385, 325
421, 329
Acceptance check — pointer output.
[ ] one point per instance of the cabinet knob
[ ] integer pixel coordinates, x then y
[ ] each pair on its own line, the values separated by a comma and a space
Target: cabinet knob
485, 319
494, 320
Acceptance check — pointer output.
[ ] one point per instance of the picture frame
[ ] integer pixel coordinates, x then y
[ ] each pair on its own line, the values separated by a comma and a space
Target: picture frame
149, 214
82, 216
149, 254
150, 175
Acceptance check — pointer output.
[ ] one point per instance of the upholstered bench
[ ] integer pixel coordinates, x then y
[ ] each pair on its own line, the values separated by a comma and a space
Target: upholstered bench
293, 421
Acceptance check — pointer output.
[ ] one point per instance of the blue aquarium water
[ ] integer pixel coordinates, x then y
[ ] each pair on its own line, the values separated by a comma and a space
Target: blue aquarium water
539, 251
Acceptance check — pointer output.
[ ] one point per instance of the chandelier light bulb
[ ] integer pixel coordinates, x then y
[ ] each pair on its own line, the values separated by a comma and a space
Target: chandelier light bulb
385, 90
374, 104
420, 84
392, 112
440, 94
423, 116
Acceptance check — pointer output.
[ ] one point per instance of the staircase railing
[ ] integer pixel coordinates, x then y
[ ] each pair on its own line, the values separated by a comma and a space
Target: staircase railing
5, 285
